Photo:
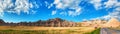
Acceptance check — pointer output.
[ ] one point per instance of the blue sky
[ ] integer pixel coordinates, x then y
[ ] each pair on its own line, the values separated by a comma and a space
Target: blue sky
71, 10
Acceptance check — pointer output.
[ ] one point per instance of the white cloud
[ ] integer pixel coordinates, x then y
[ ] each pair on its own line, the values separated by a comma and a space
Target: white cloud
96, 3
111, 3
68, 4
63, 4
33, 12
117, 9
106, 17
114, 14
108, 4
15, 7
76, 9
84, 20
75, 13
48, 5
53, 12
63, 13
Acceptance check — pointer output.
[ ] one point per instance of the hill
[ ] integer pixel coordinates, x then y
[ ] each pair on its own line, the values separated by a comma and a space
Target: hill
56, 22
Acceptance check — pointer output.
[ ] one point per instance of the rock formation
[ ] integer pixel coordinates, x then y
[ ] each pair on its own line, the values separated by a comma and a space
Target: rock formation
113, 22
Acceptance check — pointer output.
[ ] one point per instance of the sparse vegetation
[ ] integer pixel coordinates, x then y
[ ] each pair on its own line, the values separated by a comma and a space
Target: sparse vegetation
115, 28
97, 31
44, 30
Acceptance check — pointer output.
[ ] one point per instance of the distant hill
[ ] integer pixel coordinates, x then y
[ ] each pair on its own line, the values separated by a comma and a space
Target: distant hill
1, 21
56, 22
113, 22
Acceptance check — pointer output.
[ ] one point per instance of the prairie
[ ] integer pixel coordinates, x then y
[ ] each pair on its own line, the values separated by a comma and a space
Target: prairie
44, 30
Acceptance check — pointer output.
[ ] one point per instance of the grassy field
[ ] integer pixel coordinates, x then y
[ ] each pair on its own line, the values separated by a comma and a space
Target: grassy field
115, 28
45, 30
96, 31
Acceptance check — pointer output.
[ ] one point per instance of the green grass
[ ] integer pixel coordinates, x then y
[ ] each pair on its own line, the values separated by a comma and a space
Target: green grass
97, 31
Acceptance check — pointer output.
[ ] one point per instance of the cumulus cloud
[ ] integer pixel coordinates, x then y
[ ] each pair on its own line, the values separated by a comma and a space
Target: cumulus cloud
53, 12
48, 5
75, 13
110, 15
115, 14
15, 7
63, 13
108, 4
68, 4
116, 11
106, 17
75, 9
96, 3
111, 3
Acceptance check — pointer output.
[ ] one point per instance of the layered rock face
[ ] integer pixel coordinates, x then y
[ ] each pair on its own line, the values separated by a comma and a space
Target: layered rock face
94, 23
56, 22
113, 22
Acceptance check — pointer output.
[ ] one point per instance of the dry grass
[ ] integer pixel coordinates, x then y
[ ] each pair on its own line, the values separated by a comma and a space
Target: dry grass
115, 28
50, 30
